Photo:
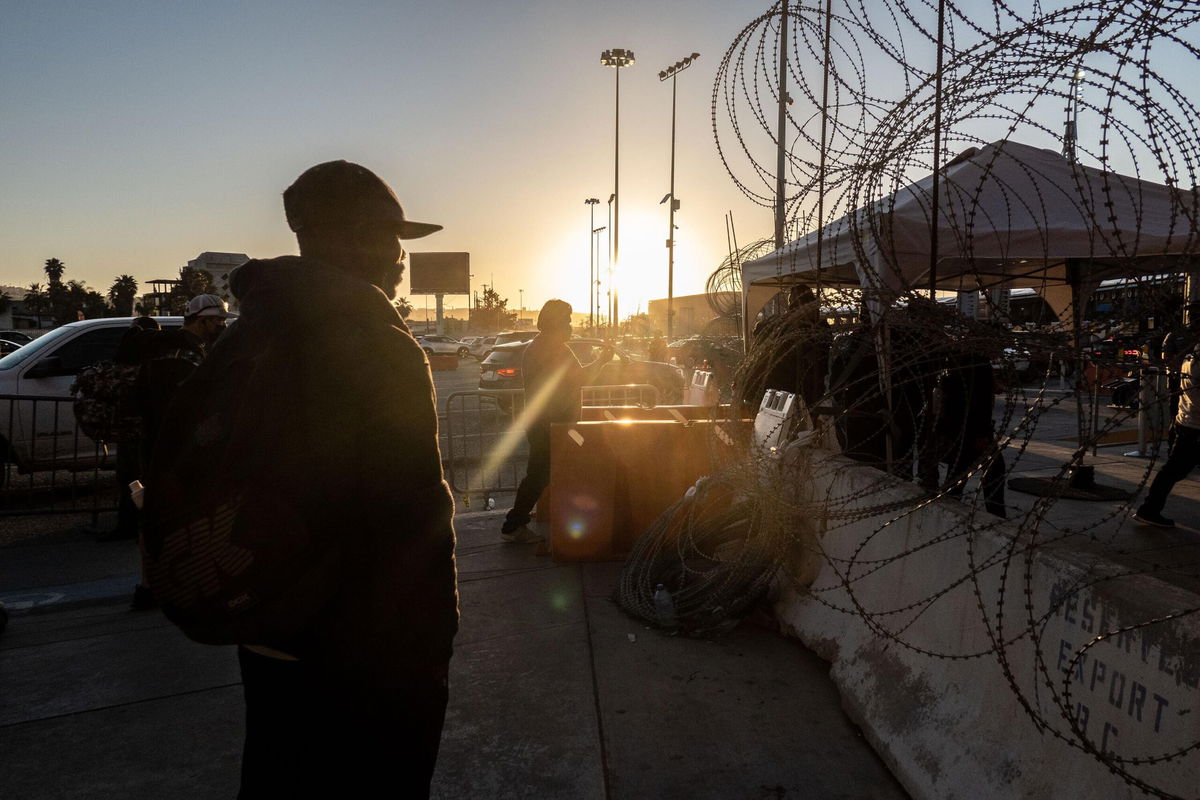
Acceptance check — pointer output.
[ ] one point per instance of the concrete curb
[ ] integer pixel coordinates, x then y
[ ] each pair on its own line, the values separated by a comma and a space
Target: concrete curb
44, 599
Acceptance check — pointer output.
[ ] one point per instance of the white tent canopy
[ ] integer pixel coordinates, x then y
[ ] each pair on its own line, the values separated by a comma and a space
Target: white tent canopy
1010, 215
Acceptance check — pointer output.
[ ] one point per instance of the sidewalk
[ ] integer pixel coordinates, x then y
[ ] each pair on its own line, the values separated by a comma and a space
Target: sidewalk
555, 693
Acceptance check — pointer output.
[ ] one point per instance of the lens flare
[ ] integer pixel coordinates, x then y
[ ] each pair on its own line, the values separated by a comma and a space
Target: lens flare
512, 437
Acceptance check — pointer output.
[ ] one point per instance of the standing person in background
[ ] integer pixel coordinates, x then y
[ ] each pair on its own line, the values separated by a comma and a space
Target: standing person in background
170, 357
133, 349
1175, 347
1185, 453
553, 380
790, 352
966, 435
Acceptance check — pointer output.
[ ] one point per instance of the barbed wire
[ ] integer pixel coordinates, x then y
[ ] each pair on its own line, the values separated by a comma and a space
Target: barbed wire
1070, 146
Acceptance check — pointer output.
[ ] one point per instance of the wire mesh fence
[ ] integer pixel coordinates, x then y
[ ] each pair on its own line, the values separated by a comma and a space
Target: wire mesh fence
49, 465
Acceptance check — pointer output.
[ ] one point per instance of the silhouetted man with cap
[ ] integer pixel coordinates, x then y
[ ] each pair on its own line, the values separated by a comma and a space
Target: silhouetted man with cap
553, 378
353, 705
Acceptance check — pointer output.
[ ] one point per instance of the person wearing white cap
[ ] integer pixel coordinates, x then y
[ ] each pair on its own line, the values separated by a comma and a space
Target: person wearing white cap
205, 317
173, 356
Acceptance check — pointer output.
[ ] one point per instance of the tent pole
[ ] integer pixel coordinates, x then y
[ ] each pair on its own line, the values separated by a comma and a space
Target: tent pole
824, 147
937, 151
780, 135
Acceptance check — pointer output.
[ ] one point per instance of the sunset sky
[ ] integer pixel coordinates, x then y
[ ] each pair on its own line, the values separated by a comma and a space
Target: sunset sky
138, 134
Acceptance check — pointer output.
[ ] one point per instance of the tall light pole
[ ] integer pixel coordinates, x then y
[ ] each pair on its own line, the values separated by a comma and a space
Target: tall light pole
672, 72
594, 289
608, 314
591, 203
616, 58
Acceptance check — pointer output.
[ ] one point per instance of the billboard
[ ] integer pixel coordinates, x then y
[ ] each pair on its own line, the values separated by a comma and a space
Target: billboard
439, 273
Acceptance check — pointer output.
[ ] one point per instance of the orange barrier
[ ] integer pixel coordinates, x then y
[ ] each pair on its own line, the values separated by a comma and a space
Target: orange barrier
609, 481
443, 361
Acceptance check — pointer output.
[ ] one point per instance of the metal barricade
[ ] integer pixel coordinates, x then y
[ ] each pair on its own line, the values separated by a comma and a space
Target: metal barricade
642, 395
485, 449
47, 465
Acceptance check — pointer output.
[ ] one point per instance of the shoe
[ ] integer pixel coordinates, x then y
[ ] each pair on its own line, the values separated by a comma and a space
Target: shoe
143, 599
1153, 518
522, 535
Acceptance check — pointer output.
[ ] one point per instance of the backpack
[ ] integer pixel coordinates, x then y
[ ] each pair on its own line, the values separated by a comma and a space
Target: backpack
232, 546
102, 395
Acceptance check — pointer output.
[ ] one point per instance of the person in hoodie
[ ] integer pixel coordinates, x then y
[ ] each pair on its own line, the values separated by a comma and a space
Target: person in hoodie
354, 705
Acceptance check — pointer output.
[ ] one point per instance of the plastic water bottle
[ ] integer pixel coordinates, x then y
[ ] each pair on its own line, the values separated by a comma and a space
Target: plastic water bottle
664, 608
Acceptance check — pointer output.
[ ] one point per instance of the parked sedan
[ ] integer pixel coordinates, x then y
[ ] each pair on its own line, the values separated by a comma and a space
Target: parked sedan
16, 336
502, 369
37, 418
434, 344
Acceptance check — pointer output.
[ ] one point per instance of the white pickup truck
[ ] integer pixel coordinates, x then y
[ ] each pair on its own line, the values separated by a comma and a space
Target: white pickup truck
37, 420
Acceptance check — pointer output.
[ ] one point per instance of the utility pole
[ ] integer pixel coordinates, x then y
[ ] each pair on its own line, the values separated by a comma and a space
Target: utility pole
672, 72
616, 58
591, 203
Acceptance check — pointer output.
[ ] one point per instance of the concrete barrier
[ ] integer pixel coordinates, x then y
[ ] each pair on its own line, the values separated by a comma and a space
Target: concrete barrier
987, 662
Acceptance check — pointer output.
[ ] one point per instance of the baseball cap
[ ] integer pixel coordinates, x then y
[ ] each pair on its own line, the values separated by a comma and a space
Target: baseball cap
206, 305
341, 193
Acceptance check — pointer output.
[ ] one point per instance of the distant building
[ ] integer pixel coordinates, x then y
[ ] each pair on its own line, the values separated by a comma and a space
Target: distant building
14, 315
219, 265
157, 301
693, 315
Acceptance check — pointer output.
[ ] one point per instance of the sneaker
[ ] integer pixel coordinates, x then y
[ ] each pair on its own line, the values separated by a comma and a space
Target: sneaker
522, 535
1153, 518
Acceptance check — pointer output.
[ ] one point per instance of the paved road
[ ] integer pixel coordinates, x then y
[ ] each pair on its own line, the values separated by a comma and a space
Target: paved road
463, 379
554, 694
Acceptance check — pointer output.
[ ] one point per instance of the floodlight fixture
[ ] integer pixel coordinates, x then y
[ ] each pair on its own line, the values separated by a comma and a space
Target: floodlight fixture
617, 57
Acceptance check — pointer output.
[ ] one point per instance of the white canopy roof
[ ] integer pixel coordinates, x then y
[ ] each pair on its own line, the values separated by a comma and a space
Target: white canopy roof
1010, 215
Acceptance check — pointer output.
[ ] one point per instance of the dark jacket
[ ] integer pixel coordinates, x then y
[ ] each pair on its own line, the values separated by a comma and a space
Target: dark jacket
361, 463
169, 359
553, 378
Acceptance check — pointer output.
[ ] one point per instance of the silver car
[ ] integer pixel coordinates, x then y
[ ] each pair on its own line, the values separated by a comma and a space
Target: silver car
436, 344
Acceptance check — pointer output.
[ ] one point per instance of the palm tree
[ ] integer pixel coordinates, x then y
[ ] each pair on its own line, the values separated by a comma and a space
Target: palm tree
122, 294
54, 270
35, 300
